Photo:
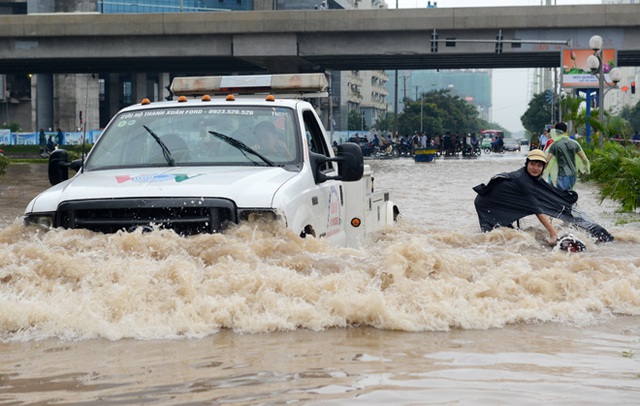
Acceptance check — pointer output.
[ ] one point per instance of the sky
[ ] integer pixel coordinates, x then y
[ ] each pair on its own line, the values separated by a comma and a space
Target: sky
510, 86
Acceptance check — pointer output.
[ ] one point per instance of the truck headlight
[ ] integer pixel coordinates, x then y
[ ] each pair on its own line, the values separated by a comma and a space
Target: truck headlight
41, 220
252, 215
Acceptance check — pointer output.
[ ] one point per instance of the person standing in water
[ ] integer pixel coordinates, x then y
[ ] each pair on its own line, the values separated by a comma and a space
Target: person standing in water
508, 197
565, 159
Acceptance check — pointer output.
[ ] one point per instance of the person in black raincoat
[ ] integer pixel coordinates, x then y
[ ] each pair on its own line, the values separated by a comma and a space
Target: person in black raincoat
511, 196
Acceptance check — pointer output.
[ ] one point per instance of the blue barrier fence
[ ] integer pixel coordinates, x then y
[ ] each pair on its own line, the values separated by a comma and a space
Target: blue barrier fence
70, 138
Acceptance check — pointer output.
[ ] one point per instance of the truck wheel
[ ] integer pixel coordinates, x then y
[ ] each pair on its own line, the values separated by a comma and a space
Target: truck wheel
308, 231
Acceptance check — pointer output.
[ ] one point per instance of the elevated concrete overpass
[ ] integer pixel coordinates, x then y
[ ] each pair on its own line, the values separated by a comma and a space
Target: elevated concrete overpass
291, 41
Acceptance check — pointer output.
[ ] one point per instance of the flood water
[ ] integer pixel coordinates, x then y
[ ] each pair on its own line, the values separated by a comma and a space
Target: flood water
434, 312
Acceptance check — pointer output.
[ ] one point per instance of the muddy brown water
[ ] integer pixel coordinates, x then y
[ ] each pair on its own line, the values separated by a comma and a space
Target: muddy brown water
434, 312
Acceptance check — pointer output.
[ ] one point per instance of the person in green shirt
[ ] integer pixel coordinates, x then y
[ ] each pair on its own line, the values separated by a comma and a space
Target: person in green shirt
565, 159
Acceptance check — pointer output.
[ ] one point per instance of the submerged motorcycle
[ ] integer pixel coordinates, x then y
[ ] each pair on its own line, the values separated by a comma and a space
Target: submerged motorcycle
471, 150
494, 148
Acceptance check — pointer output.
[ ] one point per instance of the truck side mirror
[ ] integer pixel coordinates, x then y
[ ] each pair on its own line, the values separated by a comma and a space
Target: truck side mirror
58, 166
350, 163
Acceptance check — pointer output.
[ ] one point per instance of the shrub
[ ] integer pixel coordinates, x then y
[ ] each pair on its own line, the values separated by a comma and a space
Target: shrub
4, 162
617, 169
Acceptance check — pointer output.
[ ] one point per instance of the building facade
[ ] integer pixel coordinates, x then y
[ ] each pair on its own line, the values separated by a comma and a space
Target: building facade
77, 102
472, 85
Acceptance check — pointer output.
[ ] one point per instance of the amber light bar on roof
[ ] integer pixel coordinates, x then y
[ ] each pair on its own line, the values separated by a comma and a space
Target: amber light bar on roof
295, 85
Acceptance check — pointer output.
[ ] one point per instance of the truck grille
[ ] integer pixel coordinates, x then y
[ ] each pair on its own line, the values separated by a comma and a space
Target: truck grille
186, 216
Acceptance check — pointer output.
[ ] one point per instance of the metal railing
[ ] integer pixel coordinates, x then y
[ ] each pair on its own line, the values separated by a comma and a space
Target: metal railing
166, 6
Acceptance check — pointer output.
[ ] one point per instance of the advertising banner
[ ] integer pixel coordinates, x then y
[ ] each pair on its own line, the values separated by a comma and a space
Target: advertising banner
94, 135
26, 138
73, 138
5, 137
576, 74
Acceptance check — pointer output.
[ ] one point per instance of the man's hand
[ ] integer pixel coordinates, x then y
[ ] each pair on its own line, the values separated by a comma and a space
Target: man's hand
553, 233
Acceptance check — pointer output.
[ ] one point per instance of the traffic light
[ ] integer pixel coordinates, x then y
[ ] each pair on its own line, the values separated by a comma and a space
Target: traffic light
633, 87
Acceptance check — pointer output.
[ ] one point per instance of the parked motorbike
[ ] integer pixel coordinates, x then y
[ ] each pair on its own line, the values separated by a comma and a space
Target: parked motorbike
387, 151
46, 151
496, 149
469, 150
403, 150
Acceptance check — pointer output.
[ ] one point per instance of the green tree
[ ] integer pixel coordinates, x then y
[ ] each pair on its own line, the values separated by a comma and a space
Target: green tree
573, 113
355, 122
617, 169
537, 115
611, 127
632, 115
384, 122
14, 127
437, 112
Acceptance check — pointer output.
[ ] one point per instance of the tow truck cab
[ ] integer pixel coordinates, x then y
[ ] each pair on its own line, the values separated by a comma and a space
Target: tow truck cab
226, 151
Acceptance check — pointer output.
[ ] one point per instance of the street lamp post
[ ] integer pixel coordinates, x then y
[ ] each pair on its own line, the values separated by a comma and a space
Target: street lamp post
595, 63
421, 108
421, 99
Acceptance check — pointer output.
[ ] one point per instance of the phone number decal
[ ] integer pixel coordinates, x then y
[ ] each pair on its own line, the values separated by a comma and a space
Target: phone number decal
231, 111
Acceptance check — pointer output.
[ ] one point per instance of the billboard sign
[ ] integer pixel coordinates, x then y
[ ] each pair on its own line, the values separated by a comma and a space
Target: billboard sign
575, 72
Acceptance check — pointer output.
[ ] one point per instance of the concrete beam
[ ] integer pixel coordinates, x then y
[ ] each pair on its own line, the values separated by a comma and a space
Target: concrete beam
300, 21
308, 40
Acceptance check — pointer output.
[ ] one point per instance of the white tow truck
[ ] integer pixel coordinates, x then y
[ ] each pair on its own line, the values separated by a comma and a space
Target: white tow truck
226, 151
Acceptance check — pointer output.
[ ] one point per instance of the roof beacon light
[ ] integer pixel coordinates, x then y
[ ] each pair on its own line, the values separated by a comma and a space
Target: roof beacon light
287, 85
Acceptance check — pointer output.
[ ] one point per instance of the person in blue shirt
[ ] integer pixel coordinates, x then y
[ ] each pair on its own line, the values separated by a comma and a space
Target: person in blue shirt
51, 146
375, 142
42, 137
60, 137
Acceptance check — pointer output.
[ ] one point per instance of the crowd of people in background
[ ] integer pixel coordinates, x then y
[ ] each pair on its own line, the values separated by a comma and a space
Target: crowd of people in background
565, 157
447, 144
564, 154
48, 144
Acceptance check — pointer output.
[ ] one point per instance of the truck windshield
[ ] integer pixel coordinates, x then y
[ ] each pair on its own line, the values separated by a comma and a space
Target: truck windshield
188, 135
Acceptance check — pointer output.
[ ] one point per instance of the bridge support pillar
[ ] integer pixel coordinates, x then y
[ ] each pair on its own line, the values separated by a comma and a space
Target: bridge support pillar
140, 88
114, 94
164, 80
44, 101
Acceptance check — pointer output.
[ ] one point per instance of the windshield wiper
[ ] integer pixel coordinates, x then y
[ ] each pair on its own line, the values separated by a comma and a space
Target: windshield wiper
165, 149
241, 146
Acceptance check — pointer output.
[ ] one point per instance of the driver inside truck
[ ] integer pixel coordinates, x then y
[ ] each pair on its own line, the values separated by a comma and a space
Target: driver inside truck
270, 142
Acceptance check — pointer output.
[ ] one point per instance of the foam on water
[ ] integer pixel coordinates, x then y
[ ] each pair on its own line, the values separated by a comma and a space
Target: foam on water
75, 284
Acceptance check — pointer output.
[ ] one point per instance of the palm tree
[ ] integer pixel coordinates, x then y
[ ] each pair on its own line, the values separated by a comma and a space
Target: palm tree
573, 112
612, 127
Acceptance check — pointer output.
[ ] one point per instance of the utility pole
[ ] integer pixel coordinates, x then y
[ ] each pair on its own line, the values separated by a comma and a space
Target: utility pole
418, 87
404, 79
331, 129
